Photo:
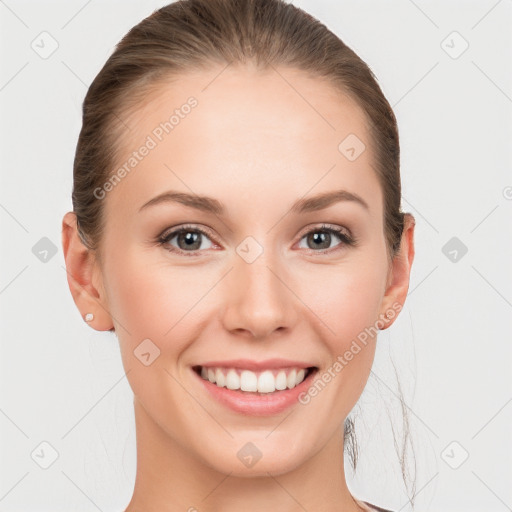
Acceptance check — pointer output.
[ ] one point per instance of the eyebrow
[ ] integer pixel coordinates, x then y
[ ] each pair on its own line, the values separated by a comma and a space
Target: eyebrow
211, 205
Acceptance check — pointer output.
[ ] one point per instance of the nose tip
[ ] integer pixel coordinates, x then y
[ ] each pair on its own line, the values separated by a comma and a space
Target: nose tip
257, 301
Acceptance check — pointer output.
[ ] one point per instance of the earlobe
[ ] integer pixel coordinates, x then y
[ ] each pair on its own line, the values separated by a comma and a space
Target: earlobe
398, 282
84, 277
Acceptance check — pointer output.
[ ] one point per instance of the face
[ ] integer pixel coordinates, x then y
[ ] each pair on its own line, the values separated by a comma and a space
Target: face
259, 274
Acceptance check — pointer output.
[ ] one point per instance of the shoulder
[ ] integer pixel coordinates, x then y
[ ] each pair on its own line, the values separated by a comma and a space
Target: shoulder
369, 507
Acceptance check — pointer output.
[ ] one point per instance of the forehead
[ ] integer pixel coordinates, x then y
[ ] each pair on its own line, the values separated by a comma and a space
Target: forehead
248, 132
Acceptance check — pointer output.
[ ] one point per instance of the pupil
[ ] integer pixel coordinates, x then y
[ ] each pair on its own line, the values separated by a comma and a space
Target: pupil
318, 238
191, 238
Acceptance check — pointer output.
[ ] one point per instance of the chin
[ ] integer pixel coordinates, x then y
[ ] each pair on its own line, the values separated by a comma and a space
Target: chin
252, 463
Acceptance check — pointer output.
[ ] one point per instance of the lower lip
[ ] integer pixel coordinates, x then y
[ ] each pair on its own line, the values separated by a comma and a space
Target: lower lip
265, 404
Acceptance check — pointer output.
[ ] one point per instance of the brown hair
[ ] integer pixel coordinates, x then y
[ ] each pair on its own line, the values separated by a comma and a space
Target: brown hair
195, 34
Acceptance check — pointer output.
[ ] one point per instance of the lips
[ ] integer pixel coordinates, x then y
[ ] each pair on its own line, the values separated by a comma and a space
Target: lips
255, 387
257, 366
256, 403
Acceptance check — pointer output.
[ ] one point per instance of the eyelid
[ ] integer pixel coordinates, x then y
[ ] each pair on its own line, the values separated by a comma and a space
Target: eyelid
327, 227
192, 227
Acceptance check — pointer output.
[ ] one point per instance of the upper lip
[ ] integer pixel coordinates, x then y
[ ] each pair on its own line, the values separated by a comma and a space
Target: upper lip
248, 364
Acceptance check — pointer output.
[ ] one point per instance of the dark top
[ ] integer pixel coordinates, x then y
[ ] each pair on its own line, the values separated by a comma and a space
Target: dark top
374, 507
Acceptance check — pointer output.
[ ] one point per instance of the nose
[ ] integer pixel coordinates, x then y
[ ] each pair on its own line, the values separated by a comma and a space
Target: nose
258, 300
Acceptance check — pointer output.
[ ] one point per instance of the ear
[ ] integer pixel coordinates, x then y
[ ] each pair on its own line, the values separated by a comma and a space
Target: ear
398, 277
84, 276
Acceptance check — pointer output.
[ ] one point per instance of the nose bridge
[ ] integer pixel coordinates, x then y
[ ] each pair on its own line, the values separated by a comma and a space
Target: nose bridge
258, 300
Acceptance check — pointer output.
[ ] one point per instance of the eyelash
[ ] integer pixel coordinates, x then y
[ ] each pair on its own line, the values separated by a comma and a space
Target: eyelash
346, 239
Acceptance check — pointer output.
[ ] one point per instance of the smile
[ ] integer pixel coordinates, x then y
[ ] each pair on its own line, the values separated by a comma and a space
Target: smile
267, 381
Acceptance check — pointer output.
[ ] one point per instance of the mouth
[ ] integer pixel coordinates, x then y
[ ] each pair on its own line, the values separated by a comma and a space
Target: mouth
266, 382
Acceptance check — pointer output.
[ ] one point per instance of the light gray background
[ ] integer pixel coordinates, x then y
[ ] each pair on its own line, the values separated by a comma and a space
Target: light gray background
63, 382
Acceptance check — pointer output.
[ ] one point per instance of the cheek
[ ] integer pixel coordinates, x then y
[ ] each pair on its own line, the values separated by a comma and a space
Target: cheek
155, 298
155, 301
149, 298
359, 301
346, 298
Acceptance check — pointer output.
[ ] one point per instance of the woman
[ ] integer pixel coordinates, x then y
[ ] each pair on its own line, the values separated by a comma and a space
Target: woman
236, 222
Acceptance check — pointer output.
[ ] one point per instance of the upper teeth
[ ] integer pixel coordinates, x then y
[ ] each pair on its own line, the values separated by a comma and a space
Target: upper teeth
264, 382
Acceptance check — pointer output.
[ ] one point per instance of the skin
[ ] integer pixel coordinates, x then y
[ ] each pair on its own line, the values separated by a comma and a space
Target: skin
255, 145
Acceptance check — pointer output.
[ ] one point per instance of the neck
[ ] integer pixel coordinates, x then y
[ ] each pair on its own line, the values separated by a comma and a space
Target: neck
170, 478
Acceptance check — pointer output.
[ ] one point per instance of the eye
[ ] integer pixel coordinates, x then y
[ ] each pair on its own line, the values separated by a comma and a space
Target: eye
321, 238
188, 238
